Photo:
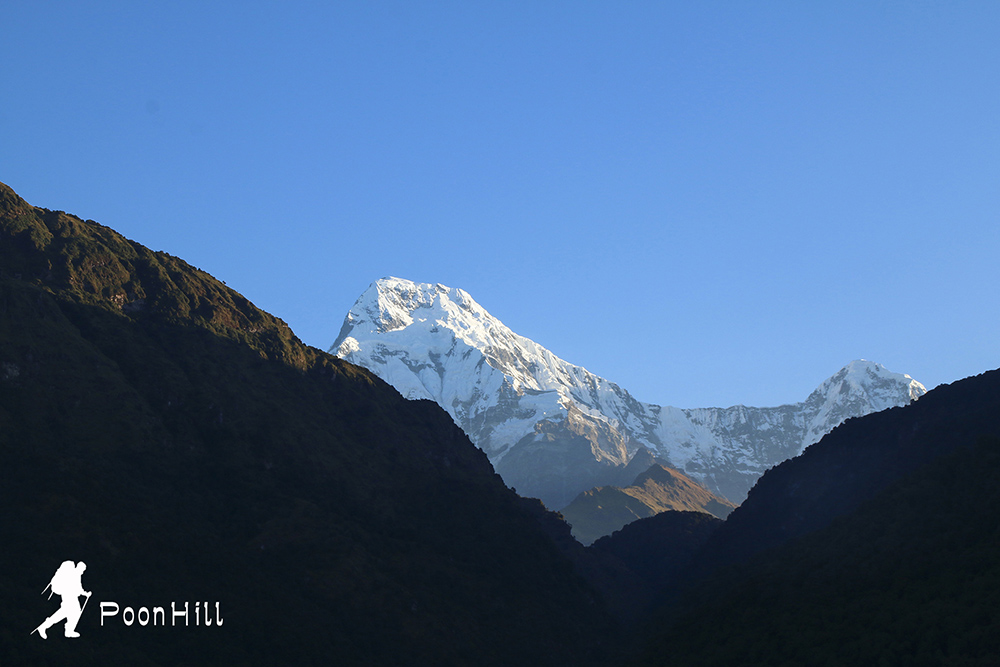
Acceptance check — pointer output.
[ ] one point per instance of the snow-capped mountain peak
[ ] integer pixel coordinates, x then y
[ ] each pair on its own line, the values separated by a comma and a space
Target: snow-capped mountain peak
440, 321
859, 388
553, 429
871, 378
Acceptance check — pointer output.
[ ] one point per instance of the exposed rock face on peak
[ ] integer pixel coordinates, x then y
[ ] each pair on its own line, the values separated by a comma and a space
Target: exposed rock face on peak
605, 509
552, 429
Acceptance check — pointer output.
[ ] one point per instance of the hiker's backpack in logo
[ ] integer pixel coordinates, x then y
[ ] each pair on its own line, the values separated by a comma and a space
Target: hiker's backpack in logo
67, 584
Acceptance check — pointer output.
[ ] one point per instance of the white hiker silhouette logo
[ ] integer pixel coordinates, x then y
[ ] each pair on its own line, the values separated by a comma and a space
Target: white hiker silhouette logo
66, 584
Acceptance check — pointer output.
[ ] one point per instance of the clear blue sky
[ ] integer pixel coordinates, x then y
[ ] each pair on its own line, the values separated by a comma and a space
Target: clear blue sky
709, 203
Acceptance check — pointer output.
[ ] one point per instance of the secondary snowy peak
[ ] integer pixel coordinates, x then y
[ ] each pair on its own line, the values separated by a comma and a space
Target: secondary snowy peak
727, 449
553, 429
861, 387
878, 384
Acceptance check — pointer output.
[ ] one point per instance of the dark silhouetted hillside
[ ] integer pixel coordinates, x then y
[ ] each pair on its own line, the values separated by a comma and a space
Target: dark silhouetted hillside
879, 545
659, 548
912, 577
186, 446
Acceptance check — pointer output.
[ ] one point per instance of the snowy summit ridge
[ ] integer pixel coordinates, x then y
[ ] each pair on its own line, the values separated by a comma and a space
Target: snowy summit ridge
553, 429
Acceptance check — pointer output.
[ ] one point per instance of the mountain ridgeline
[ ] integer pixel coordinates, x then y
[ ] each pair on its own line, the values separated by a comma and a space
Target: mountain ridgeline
185, 445
554, 430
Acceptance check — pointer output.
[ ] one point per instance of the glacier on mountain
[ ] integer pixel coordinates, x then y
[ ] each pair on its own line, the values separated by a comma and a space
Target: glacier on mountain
552, 429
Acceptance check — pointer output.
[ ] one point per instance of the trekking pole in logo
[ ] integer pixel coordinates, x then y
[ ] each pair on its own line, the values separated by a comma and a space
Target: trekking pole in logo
67, 584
